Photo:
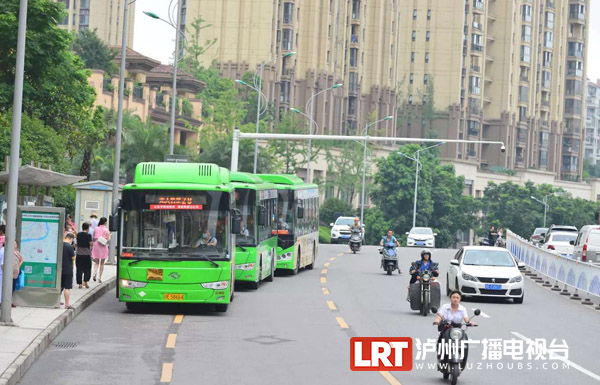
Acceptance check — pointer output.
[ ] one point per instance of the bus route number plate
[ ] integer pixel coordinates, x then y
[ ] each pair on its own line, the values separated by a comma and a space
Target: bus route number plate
173, 297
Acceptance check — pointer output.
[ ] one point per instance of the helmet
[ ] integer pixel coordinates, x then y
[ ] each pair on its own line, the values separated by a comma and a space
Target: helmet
425, 251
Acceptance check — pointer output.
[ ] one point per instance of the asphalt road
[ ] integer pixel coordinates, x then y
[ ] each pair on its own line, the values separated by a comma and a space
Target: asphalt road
288, 333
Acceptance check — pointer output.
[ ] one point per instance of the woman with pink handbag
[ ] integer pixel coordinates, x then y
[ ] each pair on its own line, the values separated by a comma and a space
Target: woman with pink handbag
100, 248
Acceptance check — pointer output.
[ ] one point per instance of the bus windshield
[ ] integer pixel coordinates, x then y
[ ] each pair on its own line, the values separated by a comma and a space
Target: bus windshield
176, 224
245, 201
285, 211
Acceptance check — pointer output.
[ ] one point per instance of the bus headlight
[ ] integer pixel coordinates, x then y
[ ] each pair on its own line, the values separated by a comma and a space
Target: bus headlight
216, 285
132, 284
245, 266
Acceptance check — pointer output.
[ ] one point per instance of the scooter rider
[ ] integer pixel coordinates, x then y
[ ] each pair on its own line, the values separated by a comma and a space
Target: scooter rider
389, 238
425, 263
454, 313
356, 224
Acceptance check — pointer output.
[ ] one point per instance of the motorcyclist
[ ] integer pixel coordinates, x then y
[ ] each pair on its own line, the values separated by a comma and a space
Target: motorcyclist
454, 313
425, 263
389, 238
356, 224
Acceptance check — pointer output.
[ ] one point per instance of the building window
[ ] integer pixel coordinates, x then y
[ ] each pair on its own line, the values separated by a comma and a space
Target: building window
353, 78
286, 42
544, 139
92, 205
577, 11
546, 78
475, 85
353, 57
427, 57
409, 99
574, 68
522, 114
429, 14
548, 39
526, 12
427, 36
426, 78
411, 78
472, 127
526, 33
351, 106
575, 49
328, 56
574, 87
284, 93
523, 94
414, 14
526, 53
182, 138
288, 13
573, 106
412, 57
477, 42
549, 20
414, 35
543, 159
547, 59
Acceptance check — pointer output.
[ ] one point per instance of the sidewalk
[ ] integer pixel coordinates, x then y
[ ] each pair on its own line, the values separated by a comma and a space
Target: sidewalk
21, 345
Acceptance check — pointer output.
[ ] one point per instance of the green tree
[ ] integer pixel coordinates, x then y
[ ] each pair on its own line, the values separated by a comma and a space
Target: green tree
290, 152
56, 88
143, 142
39, 143
333, 207
93, 52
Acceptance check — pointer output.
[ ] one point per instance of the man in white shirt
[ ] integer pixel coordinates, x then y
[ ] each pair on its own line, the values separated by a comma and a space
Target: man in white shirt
93, 223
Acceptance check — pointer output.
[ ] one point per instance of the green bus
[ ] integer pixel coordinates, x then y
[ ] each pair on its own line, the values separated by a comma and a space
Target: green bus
297, 222
256, 245
175, 226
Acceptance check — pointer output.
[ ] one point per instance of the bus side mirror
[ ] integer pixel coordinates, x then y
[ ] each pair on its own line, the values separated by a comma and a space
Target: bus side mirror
236, 221
300, 212
262, 216
113, 222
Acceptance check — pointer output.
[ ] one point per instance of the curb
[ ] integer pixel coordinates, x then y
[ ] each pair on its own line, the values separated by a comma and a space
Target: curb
13, 374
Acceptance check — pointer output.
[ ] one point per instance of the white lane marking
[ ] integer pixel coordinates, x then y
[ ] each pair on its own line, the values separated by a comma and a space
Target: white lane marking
566, 361
482, 314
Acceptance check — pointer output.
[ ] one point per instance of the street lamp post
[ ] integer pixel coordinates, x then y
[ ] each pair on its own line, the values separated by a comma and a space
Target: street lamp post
311, 102
362, 194
178, 34
545, 203
13, 177
258, 88
418, 168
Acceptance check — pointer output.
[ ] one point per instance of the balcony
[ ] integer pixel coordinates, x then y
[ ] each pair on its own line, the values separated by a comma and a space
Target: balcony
475, 68
575, 53
577, 17
473, 132
489, 58
478, 26
490, 38
478, 6
476, 47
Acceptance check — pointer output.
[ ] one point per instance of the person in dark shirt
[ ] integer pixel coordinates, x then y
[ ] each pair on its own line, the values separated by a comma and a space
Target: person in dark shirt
83, 262
492, 236
66, 281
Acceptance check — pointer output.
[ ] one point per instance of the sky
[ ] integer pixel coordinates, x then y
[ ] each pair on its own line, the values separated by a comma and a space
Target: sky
156, 39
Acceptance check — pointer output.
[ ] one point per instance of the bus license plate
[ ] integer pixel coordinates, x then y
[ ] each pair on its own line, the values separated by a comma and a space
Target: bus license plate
493, 287
173, 297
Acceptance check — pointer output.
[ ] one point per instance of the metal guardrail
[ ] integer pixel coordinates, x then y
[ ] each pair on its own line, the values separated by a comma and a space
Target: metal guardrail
581, 276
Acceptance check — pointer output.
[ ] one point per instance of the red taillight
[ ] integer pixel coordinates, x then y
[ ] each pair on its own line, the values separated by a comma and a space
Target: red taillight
584, 252
551, 247
126, 255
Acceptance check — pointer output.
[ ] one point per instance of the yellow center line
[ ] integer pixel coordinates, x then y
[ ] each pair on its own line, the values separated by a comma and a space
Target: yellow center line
340, 254
332, 259
167, 372
323, 280
171, 341
331, 305
342, 323
389, 378
327, 264
324, 271
325, 290
178, 319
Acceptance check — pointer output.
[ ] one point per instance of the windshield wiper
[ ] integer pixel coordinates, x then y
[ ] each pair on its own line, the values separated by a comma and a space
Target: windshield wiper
241, 247
206, 258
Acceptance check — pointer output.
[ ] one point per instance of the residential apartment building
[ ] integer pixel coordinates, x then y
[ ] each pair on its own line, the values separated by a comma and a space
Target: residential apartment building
148, 87
592, 122
104, 16
508, 71
336, 41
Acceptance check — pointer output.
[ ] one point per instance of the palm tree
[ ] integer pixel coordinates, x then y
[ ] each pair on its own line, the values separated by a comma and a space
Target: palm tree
142, 142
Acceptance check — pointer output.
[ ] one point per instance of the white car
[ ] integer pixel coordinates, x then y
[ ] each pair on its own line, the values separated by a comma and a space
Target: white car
421, 236
486, 272
560, 241
340, 230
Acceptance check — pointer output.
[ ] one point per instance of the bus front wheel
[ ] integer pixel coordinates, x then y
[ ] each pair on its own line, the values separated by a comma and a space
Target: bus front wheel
270, 277
297, 265
254, 285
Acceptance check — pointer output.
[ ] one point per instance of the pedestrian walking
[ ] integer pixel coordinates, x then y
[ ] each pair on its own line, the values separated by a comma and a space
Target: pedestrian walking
100, 248
18, 261
93, 223
2, 234
66, 280
83, 261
